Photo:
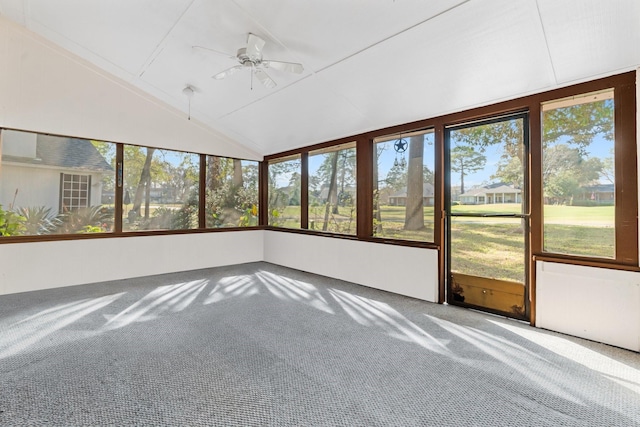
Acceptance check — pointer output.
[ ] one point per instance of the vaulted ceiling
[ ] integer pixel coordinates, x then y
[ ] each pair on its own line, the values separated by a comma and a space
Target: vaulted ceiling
367, 64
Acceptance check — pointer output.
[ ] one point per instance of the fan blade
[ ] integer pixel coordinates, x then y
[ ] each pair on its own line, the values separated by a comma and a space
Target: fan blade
221, 75
254, 46
265, 79
291, 67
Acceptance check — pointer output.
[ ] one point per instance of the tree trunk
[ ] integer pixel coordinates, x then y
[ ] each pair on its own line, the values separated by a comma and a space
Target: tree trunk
462, 179
414, 214
343, 170
145, 176
376, 197
147, 197
333, 187
213, 173
237, 173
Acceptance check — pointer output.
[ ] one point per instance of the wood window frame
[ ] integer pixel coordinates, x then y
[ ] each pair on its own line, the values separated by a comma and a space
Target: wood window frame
626, 173
119, 195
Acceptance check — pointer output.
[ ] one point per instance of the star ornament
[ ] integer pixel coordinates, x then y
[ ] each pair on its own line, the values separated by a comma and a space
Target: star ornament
400, 145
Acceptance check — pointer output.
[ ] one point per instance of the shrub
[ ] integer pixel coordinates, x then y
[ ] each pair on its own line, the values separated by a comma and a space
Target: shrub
39, 220
11, 224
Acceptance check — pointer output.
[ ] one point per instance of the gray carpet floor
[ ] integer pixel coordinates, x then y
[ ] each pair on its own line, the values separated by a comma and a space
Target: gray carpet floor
263, 345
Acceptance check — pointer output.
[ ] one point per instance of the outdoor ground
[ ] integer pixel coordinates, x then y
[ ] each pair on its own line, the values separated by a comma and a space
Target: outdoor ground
491, 247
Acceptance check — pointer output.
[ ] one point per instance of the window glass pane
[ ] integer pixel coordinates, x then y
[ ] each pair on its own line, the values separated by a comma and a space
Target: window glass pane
232, 192
160, 189
284, 192
332, 189
578, 175
403, 180
55, 185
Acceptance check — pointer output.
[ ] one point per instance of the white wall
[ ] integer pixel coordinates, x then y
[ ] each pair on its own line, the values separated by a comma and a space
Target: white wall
594, 303
46, 89
43, 191
33, 266
403, 270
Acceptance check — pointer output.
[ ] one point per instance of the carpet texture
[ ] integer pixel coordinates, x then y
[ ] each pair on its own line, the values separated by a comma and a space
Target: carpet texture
263, 345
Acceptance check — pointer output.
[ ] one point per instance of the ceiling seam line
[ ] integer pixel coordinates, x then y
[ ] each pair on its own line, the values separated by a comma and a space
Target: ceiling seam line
546, 43
264, 97
160, 46
393, 35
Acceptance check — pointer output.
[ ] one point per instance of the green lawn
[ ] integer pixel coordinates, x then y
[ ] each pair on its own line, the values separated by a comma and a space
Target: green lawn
488, 247
583, 215
553, 214
493, 247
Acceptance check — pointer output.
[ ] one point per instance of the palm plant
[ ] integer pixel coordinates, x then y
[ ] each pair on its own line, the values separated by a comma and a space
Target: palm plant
90, 219
39, 220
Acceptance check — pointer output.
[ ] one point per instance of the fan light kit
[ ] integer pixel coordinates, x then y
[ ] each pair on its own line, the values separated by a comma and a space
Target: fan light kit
188, 92
251, 57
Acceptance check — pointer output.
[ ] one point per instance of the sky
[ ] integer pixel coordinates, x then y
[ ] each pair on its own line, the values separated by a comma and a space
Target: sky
599, 148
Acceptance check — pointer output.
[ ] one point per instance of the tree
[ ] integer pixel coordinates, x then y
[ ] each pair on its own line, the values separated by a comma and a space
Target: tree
377, 216
231, 192
397, 177
465, 160
414, 213
332, 194
144, 185
578, 124
277, 193
510, 171
237, 173
608, 168
566, 171
108, 151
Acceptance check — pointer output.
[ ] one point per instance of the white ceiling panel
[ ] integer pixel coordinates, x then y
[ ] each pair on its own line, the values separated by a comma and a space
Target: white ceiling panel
121, 32
497, 56
322, 33
282, 121
591, 38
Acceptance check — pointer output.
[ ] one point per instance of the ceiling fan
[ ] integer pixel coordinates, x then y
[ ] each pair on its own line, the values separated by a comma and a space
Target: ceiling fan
251, 57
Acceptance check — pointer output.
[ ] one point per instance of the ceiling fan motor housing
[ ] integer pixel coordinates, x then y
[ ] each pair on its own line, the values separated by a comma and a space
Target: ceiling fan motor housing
247, 60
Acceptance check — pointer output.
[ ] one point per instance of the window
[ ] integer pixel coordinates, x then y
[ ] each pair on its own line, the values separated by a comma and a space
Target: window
332, 189
578, 175
161, 189
74, 192
55, 185
231, 193
403, 186
285, 176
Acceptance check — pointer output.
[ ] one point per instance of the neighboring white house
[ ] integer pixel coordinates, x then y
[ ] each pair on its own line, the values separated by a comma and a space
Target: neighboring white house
399, 198
42, 170
494, 193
